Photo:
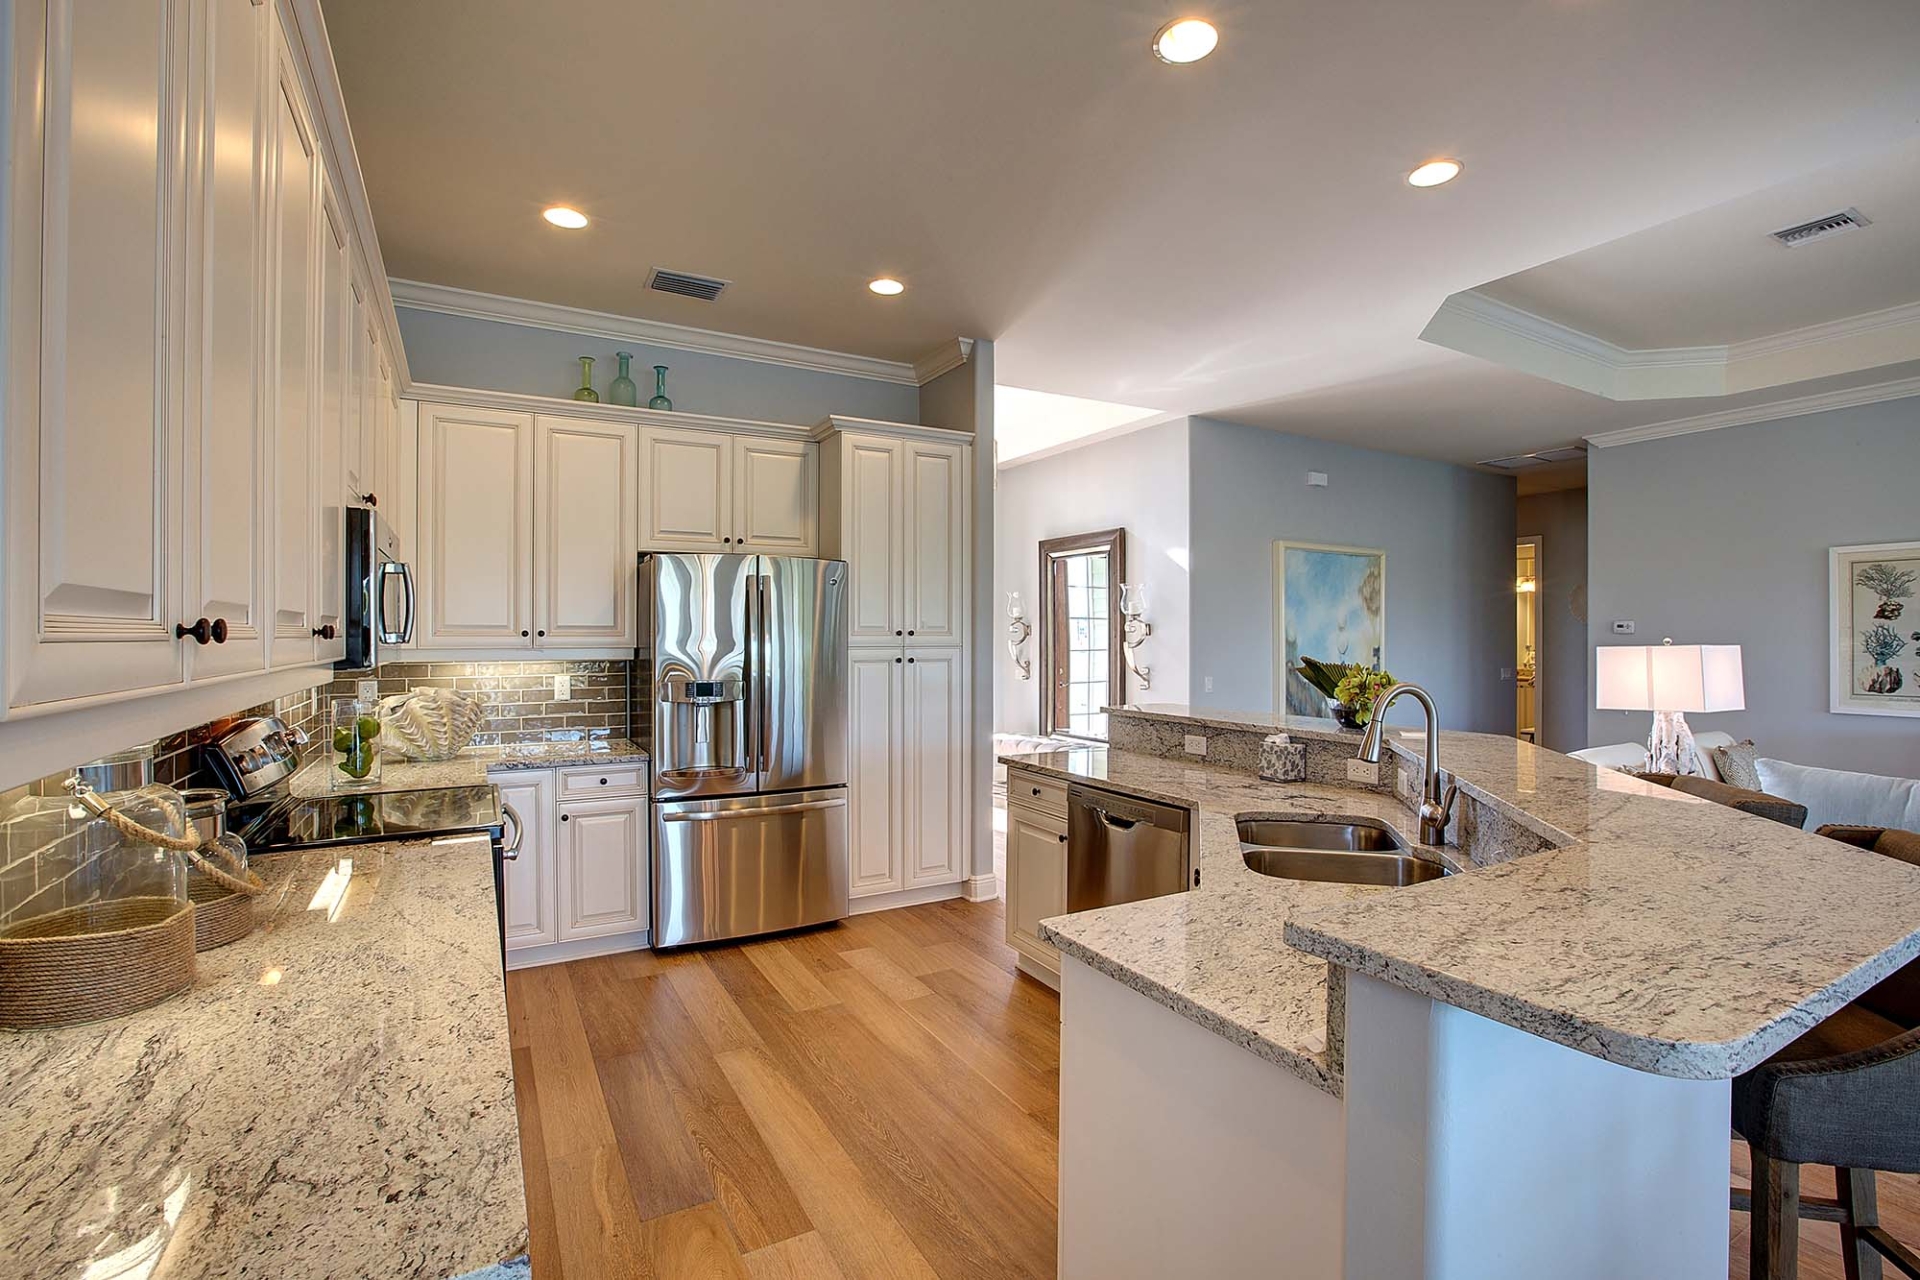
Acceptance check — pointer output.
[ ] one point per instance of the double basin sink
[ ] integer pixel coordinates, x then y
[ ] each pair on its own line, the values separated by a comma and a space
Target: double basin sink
1339, 850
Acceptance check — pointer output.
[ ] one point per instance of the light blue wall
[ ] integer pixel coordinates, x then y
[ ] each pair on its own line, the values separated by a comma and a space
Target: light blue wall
1448, 535
1722, 536
460, 351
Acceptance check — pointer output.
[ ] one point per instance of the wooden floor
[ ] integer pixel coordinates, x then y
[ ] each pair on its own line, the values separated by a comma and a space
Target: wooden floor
879, 1098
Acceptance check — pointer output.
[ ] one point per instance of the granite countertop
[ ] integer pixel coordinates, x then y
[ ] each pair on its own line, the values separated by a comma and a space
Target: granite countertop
471, 767
1215, 953
1667, 934
560, 755
333, 1097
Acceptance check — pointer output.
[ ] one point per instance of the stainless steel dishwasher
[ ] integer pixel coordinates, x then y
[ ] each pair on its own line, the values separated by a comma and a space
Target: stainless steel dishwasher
1120, 849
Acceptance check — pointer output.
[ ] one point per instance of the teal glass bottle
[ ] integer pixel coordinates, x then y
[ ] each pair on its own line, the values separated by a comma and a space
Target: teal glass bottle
659, 400
586, 391
621, 390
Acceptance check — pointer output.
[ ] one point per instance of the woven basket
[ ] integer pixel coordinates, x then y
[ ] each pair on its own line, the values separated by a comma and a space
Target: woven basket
220, 915
100, 960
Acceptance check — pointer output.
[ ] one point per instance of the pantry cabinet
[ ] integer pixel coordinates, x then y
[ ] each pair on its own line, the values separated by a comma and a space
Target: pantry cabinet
896, 509
876, 694
715, 491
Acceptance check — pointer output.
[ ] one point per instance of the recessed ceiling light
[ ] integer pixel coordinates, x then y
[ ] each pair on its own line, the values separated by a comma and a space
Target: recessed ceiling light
886, 286
1185, 40
1433, 173
561, 216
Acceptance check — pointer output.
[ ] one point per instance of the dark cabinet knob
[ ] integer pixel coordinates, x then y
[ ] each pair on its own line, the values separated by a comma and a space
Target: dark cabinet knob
909, 661
896, 660
1063, 839
327, 632
899, 633
219, 630
543, 631
523, 635
603, 782
569, 817
201, 631
372, 500
1036, 791
909, 631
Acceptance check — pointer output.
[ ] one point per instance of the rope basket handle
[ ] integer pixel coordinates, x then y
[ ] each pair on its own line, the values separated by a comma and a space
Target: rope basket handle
196, 849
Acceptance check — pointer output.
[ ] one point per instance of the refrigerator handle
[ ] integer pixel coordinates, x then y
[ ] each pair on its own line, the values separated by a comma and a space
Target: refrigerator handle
764, 691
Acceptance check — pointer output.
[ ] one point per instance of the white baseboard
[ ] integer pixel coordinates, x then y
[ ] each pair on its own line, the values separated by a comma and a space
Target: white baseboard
904, 897
981, 888
578, 949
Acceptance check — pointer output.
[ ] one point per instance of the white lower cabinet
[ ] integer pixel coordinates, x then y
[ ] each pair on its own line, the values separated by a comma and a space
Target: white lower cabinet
1036, 873
907, 718
581, 884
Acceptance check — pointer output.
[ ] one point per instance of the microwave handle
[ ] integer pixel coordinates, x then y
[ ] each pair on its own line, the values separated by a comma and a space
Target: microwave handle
403, 633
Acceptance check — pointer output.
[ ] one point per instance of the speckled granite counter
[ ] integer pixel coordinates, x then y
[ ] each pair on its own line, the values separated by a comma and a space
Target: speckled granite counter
1215, 954
1670, 935
471, 767
559, 755
333, 1098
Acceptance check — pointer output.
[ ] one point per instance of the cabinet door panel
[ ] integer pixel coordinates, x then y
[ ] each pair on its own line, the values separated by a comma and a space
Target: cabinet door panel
935, 765
775, 496
602, 868
873, 498
476, 523
583, 534
874, 688
357, 428
936, 551
295, 189
336, 397
1036, 878
96, 478
686, 495
227, 444
529, 881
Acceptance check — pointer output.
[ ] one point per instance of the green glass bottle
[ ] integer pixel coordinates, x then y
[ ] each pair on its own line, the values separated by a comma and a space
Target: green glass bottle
621, 390
586, 391
659, 400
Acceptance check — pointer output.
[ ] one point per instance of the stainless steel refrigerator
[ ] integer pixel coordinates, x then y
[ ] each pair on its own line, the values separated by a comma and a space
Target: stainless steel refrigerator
740, 695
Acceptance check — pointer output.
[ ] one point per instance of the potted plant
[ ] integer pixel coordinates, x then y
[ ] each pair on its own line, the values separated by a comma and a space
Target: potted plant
1349, 688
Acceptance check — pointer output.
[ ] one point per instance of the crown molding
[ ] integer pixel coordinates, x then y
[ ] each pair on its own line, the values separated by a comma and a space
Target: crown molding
1482, 326
448, 300
834, 424
1823, 402
945, 358
517, 402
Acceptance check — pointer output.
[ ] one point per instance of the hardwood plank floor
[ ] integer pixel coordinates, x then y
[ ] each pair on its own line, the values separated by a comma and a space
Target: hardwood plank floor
878, 1098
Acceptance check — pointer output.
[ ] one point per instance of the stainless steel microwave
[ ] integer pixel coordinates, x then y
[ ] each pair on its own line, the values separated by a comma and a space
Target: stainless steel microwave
379, 590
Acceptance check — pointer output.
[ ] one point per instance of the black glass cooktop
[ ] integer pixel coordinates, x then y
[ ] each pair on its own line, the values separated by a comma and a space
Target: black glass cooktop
279, 822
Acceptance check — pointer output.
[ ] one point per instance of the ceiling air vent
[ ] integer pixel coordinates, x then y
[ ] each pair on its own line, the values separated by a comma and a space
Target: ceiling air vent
1820, 228
1524, 461
686, 284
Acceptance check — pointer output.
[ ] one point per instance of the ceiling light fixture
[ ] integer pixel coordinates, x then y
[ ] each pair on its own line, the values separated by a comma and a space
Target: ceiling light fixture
1185, 40
1433, 173
561, 216
886, 286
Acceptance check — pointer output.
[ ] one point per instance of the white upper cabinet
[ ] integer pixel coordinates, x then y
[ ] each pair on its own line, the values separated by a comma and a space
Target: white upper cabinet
227, 439
714, 491
294, 184
583, 521
476, 528
357, 431
93, 472
897, 513
336, 397
776, 498
935, 562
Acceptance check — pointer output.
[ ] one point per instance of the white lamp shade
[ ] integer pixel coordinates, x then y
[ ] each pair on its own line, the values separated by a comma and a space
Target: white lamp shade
1670, 677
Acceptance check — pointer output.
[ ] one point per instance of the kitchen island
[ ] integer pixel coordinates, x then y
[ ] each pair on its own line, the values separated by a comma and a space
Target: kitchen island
1530, 1052
333, 1097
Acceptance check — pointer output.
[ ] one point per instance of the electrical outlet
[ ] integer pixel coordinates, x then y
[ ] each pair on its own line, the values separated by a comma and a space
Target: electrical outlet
366, 690
562, 686
1624, 627
1196, 745
1361, 771
1209, 684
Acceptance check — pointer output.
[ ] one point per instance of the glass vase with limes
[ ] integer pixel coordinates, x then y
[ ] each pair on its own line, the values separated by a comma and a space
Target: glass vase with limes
354, 745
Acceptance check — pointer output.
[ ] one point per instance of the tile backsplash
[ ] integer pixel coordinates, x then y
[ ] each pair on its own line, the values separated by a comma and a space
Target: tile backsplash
523, 705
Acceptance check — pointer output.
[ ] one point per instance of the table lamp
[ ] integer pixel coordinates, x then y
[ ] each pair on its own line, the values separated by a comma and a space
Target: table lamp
1670, 680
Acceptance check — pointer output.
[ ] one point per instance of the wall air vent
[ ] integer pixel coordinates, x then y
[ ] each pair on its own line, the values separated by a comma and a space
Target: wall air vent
1821, 228
686, 284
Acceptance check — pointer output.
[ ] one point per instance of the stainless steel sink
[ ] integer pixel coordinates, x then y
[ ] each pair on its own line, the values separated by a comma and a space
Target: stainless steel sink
1349, 835
1341, 851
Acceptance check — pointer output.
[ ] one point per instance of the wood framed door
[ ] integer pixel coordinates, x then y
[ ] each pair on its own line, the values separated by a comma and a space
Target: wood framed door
1080, 623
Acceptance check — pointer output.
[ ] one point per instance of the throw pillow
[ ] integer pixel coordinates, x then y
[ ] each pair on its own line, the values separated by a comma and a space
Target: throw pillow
1736, 766
1835, 796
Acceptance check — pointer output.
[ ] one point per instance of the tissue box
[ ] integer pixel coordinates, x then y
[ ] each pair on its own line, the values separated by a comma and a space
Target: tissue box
1283, 760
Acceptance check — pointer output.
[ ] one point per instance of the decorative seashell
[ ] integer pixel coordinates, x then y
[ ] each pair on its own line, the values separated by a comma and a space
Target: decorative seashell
430, 724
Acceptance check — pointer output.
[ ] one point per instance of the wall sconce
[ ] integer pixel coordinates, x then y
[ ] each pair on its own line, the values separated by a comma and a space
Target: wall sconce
1019, 630
1134, 629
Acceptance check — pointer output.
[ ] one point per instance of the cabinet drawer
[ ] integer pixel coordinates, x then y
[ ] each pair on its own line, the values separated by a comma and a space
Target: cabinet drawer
1033, 791
623, 780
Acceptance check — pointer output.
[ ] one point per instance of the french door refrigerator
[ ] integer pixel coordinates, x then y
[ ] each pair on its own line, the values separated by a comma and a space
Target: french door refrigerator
739, 693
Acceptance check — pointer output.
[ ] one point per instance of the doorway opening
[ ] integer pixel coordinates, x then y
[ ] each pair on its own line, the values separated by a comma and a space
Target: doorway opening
1527, 562
1080, 632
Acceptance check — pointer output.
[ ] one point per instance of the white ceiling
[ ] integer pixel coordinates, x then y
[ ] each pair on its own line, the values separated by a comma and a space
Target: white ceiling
1028, 425
1231, 237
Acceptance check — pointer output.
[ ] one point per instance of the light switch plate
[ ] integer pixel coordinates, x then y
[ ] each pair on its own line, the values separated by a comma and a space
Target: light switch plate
562, 686
1196, 745
1361, 771
1624, 627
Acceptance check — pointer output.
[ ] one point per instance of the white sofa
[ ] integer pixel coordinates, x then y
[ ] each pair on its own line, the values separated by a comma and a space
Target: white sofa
1633, 755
